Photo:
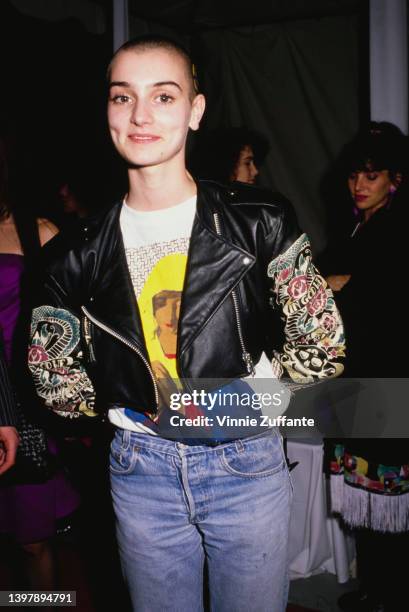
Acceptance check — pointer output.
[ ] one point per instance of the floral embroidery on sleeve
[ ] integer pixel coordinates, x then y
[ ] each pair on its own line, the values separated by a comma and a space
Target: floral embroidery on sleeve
314, 333
54, 360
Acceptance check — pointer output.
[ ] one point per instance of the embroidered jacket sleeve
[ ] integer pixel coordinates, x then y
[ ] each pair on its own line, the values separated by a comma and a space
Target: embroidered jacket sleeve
56, 355
314, 337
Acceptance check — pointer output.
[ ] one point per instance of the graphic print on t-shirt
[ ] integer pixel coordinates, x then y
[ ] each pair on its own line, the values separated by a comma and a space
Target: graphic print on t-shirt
159, 305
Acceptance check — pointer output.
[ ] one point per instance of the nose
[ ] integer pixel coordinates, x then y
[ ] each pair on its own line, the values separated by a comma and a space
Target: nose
359, 182
141, 113
254, 170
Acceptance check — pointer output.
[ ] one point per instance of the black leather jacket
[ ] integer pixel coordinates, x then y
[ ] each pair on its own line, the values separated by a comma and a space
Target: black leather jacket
89, 313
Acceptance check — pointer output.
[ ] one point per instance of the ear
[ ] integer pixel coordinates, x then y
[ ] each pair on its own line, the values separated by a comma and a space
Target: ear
198, 108
397, 179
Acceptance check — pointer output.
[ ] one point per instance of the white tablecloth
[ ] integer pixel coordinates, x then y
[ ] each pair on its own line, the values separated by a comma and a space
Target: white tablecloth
317, 541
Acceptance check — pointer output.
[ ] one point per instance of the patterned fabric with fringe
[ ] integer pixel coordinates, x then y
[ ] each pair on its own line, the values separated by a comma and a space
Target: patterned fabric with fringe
369, 495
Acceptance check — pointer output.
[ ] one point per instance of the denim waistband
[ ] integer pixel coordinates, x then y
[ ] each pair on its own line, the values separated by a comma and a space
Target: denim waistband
131, 438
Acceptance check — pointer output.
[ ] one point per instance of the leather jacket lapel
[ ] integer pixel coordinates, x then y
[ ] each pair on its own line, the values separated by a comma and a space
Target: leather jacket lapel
115, 305
215, 266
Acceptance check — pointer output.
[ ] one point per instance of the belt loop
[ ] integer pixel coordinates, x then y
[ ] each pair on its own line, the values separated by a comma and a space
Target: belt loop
239, 446
126, 439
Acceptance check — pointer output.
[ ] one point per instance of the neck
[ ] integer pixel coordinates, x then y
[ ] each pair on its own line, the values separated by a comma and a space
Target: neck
156, 188
369, 213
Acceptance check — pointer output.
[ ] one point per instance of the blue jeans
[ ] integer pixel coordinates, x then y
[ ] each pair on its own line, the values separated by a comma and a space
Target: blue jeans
177, 505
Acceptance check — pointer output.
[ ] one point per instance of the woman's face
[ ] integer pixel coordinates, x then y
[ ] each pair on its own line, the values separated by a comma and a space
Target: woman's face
150, 107
245, 170
167, 314
370, 190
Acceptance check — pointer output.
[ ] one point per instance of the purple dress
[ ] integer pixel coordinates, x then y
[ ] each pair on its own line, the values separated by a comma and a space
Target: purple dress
28, 511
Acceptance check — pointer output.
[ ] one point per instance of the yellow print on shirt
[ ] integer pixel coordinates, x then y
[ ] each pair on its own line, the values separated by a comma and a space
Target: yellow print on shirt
159, 305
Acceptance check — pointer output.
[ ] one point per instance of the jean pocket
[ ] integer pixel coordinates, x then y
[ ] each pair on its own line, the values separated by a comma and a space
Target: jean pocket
122, 461
255, 459
291, 483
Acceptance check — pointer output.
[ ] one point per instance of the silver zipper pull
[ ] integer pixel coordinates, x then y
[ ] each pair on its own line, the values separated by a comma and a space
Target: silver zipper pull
88, 338
87, 334
249, 364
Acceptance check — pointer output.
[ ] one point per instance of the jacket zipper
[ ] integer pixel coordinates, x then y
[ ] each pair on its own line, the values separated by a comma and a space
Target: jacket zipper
129, 344
88, 338
245, 355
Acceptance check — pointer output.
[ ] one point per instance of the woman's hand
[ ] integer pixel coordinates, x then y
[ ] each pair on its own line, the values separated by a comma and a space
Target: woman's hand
9, 441
336, 282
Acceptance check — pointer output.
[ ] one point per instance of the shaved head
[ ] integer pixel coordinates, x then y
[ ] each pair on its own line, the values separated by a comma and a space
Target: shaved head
149, 42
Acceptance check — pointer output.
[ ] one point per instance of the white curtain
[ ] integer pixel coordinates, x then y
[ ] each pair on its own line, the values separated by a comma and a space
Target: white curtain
389, 62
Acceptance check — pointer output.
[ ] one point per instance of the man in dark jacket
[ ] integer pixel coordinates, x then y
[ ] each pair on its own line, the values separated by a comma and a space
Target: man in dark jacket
168, 290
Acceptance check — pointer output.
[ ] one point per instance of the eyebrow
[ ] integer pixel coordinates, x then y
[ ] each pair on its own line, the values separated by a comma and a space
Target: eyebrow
158, 84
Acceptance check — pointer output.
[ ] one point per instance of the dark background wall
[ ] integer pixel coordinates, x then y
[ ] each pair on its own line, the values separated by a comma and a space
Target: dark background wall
53, 101
297, 83
295, 71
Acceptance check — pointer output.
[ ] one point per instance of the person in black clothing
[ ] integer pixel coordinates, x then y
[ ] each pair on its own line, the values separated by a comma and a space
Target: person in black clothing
370, 477
171, 235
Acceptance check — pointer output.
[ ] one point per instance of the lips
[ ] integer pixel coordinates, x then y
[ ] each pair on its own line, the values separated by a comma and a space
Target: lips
143, 138
360, 198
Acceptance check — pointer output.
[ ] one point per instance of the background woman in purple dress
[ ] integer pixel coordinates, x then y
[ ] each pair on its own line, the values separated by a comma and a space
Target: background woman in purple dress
28, 512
